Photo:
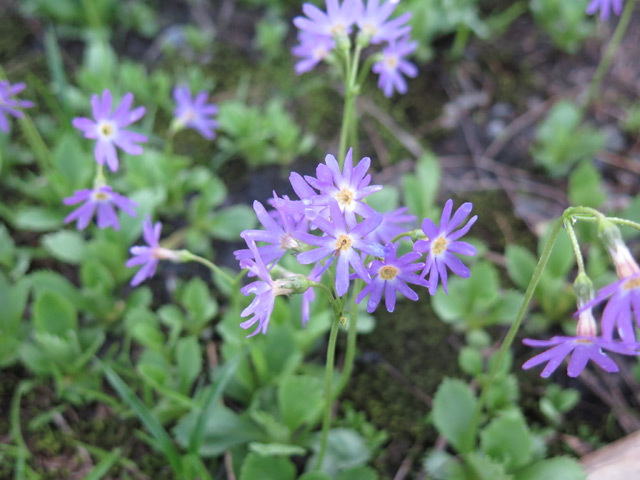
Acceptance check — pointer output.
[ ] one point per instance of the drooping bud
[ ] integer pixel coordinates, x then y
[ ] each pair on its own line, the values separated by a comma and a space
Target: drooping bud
583, 288
626, 265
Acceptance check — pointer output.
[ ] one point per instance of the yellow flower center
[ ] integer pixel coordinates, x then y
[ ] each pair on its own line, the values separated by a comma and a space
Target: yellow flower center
106, 129
343, 243
388, 272
345, 197
439, 245
392, 61
631, 284
369, 29
100, 196
338, 29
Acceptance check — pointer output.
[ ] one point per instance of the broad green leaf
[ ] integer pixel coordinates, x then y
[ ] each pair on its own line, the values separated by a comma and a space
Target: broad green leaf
66, 245
54, 314
228, 223
559, 467
520, 264
470, 361
256, 467
300, 399
197, 299
358, 473
345, 449
189, 360
37, 219
585, 186
507, 439
453, 407
484, 468
315, 476
276, 449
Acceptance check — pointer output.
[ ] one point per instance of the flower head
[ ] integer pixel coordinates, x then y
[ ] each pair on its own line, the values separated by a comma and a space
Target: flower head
373, 22
335, 22
149, 256
391, 276
108, 128
393, 66
103, 199
195, 112
11, 105
312, 50
342, 243
605, 7
347, 187
442, 243
265, 290
279, 235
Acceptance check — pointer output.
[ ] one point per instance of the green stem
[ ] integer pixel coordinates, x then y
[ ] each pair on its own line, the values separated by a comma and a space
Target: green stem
352, 336
513, 330
328, 383
568, 225
186, 255
349, 102
607, 58
624, 221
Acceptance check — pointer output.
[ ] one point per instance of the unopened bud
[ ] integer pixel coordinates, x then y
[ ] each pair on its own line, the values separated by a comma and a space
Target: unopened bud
626, 265
583, 287
293, 284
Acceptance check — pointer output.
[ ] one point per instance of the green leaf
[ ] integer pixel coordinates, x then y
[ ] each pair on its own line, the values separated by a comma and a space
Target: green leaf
559, 467
345, 449
276, 449
256, 467
561, 260
358, 473
147, 418
228, 223
315, 476
197, 299
507, 439
421, 188
37, 219
485, 469
189, 360
54, 314
66, 245
585, 186
520, 264
470, 361
300, 399
102, 468
453, 407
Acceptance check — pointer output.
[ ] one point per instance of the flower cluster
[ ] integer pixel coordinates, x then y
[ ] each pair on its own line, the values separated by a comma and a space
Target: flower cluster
605, 7
623, 305
321, 33
9, 104
331, 225
109, 129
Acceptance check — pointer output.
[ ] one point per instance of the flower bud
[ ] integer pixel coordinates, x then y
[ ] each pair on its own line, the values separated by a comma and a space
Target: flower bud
583, 287
626, 265
586, 324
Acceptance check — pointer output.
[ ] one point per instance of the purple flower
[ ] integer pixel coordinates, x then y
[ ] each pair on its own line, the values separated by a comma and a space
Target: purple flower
391, 276
312, 50
336, 21
605, 7
265, 290
149, 255
341, 242
372, 22
11, 105
625, 298
195, 112
583, 348
441, 244
109, 128
393, 224
103, 199
393, 65
280, 236
347, 187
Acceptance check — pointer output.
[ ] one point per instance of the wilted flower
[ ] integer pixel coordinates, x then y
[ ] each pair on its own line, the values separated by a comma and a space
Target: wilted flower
11, 105
103, 199
342, 242
442, 243
151, 254
336, 21
393, 66
585, 346
605, 7
391, 276
347, 187
109, 128
195, 112
312, 50
373, 22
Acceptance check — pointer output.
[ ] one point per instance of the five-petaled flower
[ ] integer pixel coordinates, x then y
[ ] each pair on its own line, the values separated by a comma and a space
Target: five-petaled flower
195, 112
109, 128
442, 243
148, 256
391, 276
9, 105
101, 199
392, 66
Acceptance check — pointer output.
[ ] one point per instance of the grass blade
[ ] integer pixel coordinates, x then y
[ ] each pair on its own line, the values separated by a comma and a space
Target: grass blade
102, 468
